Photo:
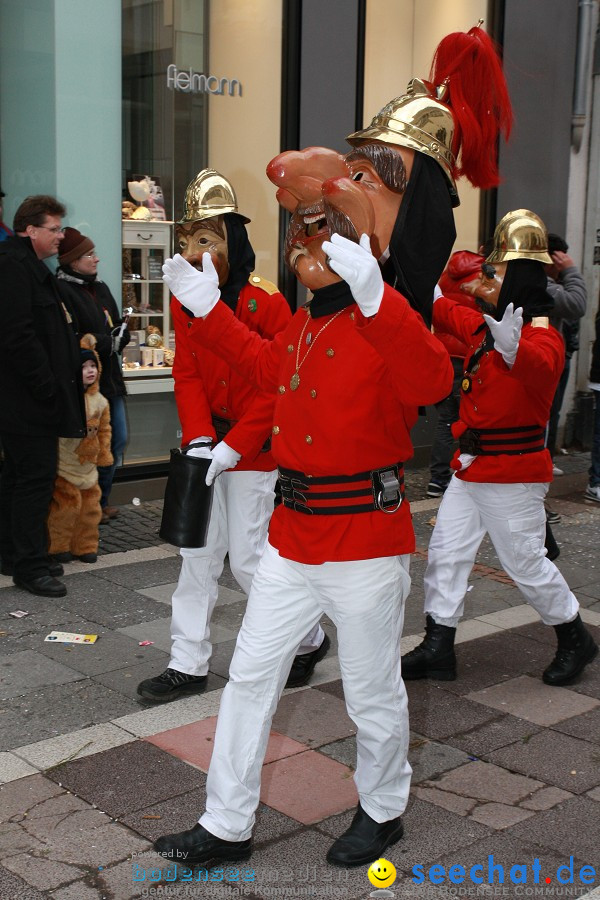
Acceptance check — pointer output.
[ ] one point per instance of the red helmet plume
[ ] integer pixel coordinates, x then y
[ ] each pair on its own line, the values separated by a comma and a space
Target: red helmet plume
469, 64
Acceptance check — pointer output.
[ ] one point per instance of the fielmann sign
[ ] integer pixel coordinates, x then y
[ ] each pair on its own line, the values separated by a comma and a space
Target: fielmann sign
191, 82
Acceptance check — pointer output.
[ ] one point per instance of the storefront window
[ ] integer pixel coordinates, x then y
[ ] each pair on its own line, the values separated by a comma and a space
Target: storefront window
164, 128
201, 87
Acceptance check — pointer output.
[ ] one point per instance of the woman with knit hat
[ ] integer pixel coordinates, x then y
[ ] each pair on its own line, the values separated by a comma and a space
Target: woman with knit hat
97, 313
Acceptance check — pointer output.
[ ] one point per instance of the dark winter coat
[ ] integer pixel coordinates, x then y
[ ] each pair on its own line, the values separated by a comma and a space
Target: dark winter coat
41, 390
595, 367
96, 312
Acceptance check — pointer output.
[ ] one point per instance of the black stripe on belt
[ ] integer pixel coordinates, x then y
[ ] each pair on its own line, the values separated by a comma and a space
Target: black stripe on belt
381, 489
503, 441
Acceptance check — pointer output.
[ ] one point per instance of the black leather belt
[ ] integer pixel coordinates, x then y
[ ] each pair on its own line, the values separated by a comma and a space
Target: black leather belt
503, 441
336, 495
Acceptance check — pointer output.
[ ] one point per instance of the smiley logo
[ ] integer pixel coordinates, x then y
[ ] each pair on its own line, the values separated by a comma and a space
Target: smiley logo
381, 873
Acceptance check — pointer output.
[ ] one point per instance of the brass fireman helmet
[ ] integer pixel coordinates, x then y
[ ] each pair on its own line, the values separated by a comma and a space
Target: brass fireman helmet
417, 119
520, 234
208, 195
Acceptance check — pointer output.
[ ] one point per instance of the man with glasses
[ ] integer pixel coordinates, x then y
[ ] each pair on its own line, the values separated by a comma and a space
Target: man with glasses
41, 391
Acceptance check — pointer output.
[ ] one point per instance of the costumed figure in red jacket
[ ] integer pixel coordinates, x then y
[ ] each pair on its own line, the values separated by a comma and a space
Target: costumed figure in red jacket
220, 409
503, 468
349, 374
348, 381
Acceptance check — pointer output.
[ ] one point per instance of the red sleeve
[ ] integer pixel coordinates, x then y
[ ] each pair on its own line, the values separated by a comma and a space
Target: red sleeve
456, 319
249, 434
190, 395
417, 361
540, 358
254, 357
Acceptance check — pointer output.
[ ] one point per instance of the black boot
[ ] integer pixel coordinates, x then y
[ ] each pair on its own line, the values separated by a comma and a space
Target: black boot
434, 658
365, 840
576, 648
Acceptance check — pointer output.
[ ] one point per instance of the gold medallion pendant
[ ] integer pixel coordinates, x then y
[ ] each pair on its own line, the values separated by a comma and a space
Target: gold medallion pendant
295, 379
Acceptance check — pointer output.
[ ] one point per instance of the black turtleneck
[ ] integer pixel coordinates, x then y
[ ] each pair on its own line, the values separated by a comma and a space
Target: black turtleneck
330, 299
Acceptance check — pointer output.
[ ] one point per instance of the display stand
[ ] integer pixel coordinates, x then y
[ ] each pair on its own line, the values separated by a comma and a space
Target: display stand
153, 422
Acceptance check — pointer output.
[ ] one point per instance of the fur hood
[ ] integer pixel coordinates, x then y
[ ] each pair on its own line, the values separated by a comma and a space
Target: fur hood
88, 342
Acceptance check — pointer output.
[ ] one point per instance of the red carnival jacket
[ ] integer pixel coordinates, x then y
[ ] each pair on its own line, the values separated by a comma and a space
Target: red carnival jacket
360, 385
500, 398
205, 385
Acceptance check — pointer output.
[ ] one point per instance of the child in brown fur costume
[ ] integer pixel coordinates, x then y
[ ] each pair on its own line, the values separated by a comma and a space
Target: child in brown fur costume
75, 510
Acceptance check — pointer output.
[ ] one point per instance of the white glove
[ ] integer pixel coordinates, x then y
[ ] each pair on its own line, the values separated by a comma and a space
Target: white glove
224, 457
197, 291
437, 293
360, 270
200, 448
507, 333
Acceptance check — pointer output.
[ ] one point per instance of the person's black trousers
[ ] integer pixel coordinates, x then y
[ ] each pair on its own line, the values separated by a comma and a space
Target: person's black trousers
26, 485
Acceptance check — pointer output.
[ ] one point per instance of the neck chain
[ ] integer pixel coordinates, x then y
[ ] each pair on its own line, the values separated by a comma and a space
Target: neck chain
295, 379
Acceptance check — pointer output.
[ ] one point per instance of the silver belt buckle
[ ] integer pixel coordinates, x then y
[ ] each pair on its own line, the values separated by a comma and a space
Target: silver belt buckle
390, 490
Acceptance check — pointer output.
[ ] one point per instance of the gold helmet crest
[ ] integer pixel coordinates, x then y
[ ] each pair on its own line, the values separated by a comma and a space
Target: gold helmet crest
520, 234
417, 119
208, 195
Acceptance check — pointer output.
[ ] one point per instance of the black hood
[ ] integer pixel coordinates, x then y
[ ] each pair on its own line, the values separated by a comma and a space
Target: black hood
525, 285
241, 259
423, 236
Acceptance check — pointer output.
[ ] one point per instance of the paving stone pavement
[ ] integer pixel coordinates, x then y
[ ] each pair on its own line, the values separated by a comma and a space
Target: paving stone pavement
506, 771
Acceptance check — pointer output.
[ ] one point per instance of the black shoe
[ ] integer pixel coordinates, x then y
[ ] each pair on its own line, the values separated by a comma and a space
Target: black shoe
87, 557
365, 840
576, 648
552, 517
304, 665
434, 657
436, 490
43, 586
62, 557
170, 685
54, 569
198, 846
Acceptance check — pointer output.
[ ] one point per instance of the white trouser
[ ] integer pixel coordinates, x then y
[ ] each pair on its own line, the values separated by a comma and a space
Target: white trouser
239, 520
514, 517
365, 600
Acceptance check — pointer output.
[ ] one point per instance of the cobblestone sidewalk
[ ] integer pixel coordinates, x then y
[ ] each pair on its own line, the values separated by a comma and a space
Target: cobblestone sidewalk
506, 769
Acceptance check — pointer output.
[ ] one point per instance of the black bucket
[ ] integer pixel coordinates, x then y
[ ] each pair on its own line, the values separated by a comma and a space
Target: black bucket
188, 501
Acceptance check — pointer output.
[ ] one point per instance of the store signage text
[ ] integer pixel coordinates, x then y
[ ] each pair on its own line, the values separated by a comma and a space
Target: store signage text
191, 82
